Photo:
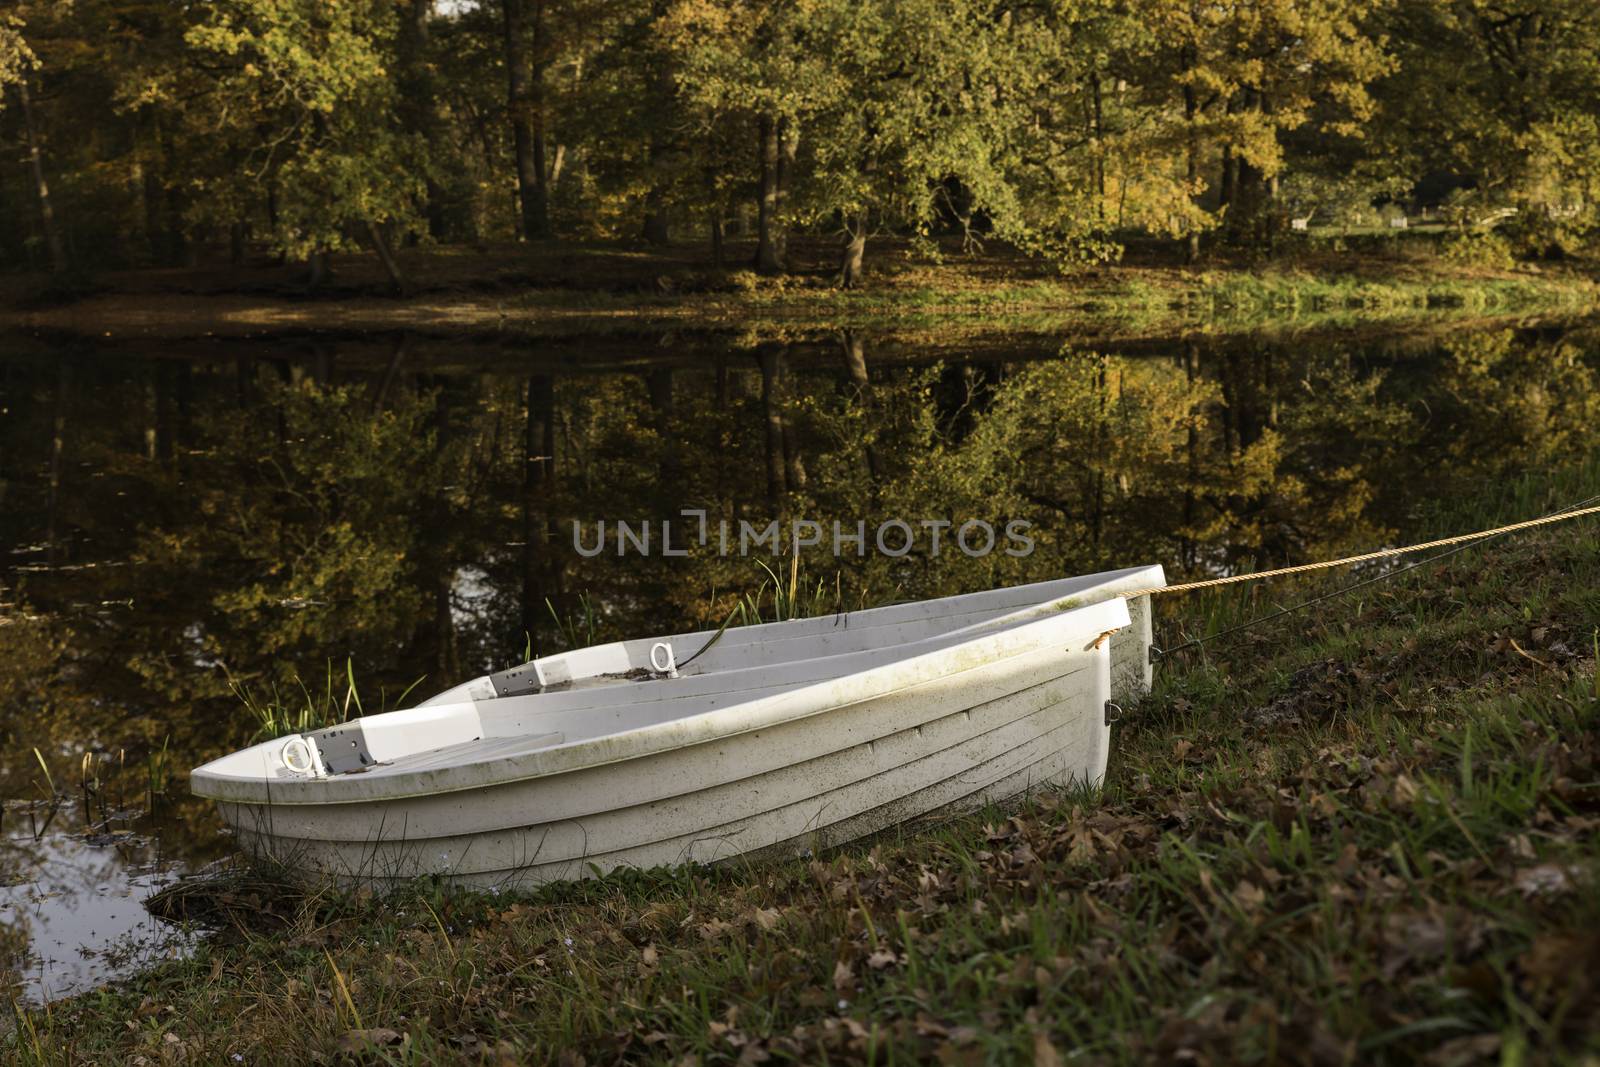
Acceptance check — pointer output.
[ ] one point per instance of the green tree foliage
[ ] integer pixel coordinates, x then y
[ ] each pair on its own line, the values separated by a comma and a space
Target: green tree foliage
15, 55
761, 67
313, 83
1504, 98
922, 102
1066, 128
1252, 75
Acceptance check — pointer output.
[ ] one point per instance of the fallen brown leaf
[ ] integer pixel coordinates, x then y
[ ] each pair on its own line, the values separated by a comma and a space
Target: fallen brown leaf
353, 1042
1547, 879
1044, 1053
844, 978
1462, 1051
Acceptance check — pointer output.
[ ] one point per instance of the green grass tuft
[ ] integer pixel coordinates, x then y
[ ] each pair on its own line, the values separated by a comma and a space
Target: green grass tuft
275, 715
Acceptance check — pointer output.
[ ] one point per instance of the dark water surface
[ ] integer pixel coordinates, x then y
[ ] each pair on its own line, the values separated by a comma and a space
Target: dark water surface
72, 893
183, 521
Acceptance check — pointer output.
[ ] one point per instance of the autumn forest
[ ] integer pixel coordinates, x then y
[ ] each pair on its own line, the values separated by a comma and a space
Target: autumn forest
147, 133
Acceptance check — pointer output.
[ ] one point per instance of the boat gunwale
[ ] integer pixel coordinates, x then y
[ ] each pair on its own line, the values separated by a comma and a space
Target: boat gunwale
801, 702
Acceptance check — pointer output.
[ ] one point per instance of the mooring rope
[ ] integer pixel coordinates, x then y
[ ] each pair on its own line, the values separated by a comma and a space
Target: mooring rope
1382, 553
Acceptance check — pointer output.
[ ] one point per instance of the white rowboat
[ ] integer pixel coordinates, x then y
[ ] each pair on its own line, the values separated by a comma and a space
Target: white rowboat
781, 737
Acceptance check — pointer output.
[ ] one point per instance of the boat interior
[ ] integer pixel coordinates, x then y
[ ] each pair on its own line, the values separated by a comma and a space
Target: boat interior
614, 688
769, 644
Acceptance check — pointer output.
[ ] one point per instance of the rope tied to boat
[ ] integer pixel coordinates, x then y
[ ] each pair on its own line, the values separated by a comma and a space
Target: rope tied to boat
1381, 553
1461, 543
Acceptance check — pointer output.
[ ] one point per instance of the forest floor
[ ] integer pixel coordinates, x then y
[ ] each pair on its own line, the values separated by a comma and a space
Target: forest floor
1366, 833
568, 287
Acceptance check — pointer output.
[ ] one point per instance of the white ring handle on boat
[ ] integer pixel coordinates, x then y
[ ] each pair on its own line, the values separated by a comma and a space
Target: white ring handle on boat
662, 659
296, 755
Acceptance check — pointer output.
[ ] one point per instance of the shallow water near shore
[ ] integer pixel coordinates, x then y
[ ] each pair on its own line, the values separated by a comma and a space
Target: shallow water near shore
72, 899
325, 523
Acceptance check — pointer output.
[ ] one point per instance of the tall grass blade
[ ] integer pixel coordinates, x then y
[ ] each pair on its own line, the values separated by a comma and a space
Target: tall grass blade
49, 779
351, 693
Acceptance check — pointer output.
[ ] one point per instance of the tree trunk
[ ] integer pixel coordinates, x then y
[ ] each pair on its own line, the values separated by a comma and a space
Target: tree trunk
541, 134
58, 451
792, 456
855, 249
1097, 137
556, 166
793, 460
657, 229
183, 428
855, 361
1191, 116
391, 267
958, 198
1252, 196
1250, 218
660, 121
180, 251
447, 661
436, 554
380, 395
1098, 512
317, 270
150, 199
417, 92
769, 246
159, 444
541, 163
272, 218
719, 258
539, 446
788, 150
244, 381
47, 215
323, 358
659, 384
1191, 371
771, 404
525, 105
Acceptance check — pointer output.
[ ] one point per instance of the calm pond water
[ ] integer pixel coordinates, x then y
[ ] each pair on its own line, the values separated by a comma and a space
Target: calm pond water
186, 523
72, 911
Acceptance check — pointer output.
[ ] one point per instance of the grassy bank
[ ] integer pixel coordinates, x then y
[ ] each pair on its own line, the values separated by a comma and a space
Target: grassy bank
1368, 833
565, 288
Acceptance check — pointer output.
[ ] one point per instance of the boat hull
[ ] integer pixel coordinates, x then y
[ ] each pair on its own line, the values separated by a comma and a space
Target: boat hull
928, 736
